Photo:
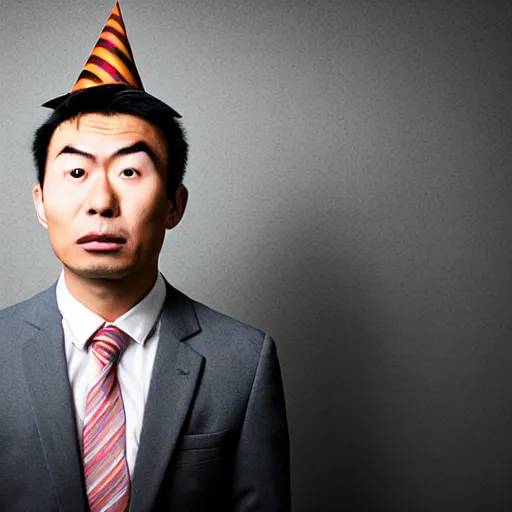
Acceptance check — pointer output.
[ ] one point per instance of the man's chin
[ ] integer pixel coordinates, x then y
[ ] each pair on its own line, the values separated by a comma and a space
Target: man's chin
99, 271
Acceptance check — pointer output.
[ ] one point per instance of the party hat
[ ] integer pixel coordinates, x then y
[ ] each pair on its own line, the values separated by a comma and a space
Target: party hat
111, 61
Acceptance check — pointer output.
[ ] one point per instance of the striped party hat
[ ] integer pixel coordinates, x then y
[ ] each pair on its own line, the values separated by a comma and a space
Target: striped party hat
110, 63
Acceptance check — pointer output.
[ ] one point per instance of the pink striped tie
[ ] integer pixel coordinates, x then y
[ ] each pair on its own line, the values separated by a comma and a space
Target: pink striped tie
107, 478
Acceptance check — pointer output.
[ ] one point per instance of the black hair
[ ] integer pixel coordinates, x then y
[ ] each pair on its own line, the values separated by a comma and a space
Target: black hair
118, 99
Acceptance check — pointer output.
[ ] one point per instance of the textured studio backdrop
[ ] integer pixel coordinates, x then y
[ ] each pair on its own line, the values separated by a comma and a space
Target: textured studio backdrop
350, 181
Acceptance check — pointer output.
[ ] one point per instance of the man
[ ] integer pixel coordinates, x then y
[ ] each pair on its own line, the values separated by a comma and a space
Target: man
118, 391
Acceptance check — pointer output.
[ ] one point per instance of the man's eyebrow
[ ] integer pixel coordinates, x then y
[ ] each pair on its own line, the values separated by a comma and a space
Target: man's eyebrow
70, 150
138, 147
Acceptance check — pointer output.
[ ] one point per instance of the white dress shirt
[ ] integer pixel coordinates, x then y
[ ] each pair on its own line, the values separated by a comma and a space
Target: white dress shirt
136, 364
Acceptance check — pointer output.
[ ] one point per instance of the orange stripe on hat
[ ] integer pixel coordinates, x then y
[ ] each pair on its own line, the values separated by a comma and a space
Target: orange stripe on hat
104, 77
108, 36
85, 83
116, 62
114, 24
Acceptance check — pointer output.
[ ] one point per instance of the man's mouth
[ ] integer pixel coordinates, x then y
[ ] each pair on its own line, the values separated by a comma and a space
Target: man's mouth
104, 242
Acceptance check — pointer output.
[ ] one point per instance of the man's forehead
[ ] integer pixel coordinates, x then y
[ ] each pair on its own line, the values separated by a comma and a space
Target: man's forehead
108, 124
92, 129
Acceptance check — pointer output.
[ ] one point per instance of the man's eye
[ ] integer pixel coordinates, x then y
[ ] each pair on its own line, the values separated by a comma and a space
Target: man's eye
129, 172
77, 173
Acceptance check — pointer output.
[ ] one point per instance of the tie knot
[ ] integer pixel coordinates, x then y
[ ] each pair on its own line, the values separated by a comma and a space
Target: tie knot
108, 344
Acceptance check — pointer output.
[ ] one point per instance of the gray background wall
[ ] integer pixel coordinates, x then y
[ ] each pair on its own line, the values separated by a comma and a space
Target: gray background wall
350, 193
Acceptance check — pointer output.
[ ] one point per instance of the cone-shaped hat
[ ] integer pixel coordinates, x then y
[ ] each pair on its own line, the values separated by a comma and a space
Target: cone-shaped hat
111, 61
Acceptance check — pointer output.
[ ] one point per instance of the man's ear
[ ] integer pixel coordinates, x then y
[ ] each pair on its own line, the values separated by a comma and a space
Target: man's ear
177, 207
37, 195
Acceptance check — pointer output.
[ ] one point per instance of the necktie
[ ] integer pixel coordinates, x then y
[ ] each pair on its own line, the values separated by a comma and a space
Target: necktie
107, 478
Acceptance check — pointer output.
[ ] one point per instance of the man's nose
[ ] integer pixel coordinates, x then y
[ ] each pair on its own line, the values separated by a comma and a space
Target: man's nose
102, 199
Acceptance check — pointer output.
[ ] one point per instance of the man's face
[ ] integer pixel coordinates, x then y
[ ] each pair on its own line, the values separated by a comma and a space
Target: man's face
104, 197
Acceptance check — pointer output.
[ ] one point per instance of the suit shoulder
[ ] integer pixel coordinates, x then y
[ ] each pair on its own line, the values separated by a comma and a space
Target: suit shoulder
15, 310
214, 318
29, 308
222, 329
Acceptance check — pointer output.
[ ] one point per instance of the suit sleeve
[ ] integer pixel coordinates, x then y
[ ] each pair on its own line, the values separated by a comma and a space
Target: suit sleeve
261, 479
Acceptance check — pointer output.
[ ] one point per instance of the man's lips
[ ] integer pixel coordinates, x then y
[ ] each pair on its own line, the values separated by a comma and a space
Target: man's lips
103, 242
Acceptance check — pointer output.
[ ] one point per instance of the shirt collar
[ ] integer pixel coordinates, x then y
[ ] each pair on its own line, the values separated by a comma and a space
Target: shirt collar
138, 322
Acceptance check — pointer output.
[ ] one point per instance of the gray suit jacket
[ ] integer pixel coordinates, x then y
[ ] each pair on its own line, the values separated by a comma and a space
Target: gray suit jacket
214, 435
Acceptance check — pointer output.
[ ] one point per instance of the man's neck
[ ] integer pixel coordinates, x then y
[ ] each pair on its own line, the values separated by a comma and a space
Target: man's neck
109, 298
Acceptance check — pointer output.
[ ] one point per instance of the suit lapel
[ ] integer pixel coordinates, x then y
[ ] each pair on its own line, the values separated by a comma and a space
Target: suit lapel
48, 384
176, 373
